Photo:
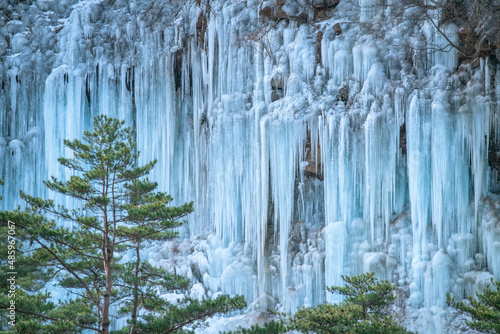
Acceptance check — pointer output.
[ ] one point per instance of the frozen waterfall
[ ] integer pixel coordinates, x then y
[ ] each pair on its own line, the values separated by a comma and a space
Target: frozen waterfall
310, 152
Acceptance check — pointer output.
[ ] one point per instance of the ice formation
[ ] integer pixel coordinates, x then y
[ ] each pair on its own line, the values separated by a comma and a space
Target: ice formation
308, 156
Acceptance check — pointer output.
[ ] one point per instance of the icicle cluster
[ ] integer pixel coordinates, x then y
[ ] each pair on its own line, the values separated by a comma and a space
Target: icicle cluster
309, 156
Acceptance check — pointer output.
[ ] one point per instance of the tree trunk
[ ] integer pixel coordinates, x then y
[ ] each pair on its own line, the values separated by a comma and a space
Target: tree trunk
107, 256
107, 294
136, 289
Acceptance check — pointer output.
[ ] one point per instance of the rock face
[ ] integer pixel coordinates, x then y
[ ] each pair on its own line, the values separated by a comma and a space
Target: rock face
311, 149
275, 11
494, 154
323, 9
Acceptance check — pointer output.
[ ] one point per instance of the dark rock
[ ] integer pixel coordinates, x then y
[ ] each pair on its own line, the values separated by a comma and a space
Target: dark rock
203, 121
275, 96
323, 9
337, 28
343, 94
277, 84
195, 269
318, 3
324, 4
494, 152
321, 16
318, 47
494, 159
178, 70
402, 138
301, 18
274, 13
201, 26
266, 12
314, 168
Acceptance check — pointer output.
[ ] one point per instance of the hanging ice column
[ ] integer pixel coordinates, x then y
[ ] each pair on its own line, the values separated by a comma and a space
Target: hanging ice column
444, 227
439, 144
231, 123
162, 112
246, 150
21, 124
362, 161
285, 142
66, 116
231, 164
73, 96
418, 132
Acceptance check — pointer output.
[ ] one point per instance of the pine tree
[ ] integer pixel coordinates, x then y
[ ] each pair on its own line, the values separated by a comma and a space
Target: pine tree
116, 210
484, 311
21, 300
362, 312
366, 292
270, 327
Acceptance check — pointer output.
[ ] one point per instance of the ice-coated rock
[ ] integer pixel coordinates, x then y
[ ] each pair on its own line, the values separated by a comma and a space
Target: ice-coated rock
369, 156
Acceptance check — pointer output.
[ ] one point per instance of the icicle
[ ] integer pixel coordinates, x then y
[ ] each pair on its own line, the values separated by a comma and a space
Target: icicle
285, 138
418, 140
203, 102
335, 239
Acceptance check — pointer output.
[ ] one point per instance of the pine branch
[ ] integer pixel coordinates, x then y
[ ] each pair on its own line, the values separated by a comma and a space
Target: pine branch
65, 265
55, 319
